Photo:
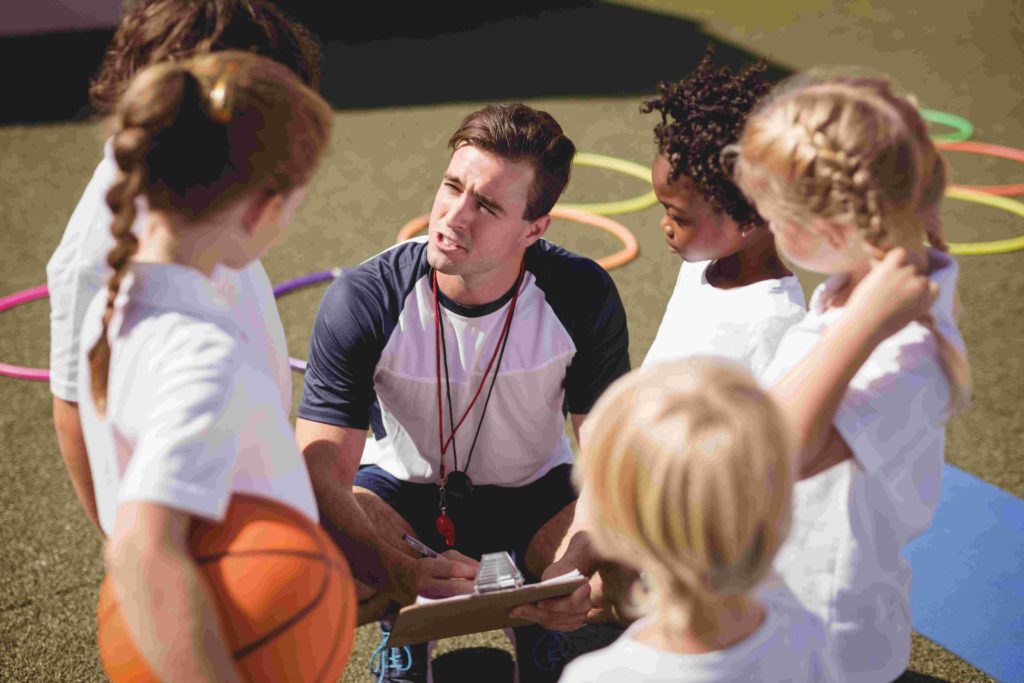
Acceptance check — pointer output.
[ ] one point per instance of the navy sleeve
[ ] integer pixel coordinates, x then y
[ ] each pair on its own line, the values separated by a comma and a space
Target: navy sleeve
602, 351
585, 299
343, 351
357, 315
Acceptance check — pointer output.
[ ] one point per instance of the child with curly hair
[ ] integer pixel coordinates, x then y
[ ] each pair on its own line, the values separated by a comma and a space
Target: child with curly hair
733, 297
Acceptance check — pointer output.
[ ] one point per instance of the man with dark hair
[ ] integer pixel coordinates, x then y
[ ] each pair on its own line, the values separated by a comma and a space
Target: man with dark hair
463, 352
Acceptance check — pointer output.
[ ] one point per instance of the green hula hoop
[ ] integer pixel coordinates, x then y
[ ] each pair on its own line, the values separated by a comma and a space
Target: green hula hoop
995, 246
629, 168
962, 128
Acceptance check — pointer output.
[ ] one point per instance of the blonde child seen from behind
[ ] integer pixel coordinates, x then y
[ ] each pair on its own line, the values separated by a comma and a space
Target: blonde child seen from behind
688, 473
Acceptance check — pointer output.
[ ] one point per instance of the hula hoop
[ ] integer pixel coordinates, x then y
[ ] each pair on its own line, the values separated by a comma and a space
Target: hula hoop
962, 128
989, 150
995, 246
288, 286
630, 168
6, 304
629, 250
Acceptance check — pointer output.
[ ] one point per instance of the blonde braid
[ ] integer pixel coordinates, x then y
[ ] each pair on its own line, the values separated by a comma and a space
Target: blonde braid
843, 186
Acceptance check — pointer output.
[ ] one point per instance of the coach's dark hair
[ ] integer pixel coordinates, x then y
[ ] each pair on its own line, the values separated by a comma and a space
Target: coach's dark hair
520, 133
707, 110
154, 31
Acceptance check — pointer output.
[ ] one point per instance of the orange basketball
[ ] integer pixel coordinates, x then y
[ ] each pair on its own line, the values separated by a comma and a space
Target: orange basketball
285, 596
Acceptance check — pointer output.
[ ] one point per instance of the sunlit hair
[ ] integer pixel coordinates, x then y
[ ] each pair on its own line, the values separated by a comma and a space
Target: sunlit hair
154, 31
687, 468
190, 137
850, 152
517, 132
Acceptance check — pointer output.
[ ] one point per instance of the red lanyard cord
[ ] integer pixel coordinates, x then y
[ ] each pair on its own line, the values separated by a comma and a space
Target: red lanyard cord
439, 344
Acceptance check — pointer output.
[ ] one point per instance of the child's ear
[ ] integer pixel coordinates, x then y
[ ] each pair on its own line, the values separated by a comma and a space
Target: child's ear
265, 209
537, 229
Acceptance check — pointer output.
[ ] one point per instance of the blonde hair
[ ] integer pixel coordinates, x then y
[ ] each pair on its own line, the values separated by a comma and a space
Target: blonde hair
687, 467
193, 136
851, 152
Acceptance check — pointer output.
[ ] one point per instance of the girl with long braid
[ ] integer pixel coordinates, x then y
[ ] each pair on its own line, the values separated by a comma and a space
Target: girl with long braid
851, 184
182, 407
151, 32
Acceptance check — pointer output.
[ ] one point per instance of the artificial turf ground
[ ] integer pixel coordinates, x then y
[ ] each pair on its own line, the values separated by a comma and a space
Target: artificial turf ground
399, 98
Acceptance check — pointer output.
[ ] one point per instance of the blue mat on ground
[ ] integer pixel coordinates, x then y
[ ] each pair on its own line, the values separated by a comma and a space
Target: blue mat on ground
968, 592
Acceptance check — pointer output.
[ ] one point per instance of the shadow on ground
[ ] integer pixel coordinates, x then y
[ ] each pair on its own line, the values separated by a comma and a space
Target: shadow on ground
451, 53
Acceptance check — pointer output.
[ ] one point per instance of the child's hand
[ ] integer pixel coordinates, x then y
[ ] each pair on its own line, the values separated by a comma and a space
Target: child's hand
892, 294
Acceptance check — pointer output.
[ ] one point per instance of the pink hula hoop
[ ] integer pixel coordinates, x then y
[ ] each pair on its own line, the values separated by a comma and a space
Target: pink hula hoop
6, 304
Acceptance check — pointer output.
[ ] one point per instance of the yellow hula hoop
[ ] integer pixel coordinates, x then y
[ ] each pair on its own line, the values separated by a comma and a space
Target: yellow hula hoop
621, 206
995, 246
629, 250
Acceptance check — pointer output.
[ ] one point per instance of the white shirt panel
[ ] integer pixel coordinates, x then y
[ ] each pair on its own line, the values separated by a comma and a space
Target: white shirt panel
844, 558
193, 409
789, 646
405, 380
744, 324
78, 269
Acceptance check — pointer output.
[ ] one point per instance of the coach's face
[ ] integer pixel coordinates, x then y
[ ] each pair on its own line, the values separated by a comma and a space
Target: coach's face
477, 228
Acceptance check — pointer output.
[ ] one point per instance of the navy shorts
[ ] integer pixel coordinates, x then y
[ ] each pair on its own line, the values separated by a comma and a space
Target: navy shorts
497, 518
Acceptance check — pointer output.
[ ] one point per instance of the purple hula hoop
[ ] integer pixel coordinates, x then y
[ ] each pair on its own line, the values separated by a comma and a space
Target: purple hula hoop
41, 292
298, 283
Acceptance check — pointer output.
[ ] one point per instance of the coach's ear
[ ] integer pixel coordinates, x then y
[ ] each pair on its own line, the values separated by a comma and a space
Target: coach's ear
536, 230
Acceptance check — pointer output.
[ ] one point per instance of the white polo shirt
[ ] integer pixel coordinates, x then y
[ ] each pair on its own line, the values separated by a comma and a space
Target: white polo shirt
744, 324
78, 269
192, 413
844, 558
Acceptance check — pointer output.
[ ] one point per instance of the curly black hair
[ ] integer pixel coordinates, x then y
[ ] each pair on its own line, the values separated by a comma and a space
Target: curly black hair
708, 110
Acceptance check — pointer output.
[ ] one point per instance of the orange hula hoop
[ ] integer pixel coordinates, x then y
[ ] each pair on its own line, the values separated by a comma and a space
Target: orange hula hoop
629, 251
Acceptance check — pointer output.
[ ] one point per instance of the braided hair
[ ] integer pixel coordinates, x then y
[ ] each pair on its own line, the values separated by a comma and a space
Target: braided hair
191, 137
700, 115
852, 152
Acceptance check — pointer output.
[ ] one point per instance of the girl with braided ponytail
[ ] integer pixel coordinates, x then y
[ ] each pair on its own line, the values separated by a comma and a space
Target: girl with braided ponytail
182, 409
151, 32
851, 183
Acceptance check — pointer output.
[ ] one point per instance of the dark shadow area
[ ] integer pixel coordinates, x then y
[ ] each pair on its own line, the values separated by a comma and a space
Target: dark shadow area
914, 677
46, 77
381, 56
468, 664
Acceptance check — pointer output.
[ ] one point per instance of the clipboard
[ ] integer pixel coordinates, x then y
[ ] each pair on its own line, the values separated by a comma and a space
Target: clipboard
475, 612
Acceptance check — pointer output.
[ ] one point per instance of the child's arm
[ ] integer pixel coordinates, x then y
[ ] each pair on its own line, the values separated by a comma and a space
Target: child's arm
71, 443
889, 297
166, 605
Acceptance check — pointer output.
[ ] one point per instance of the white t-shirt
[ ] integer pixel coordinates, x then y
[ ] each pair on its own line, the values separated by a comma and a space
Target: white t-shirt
789, 646
78, 269
843, 558
744, 324
188, 419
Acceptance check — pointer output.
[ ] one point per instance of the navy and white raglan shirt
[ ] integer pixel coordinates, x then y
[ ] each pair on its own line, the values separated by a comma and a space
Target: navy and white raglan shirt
372, 363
